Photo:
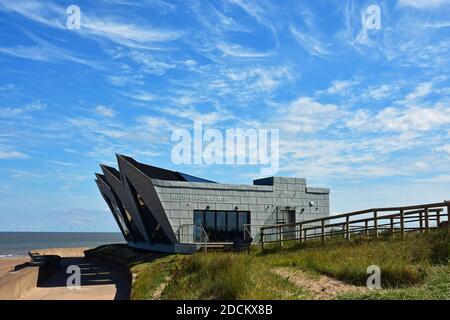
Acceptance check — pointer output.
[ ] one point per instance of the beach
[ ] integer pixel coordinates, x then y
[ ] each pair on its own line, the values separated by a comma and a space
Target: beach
99, 281
7, 264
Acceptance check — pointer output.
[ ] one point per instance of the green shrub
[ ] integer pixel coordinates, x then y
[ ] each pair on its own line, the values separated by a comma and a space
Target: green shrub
440, 248
210, 276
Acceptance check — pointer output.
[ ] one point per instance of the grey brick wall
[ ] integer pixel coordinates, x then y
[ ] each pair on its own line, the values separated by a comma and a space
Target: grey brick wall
180, 199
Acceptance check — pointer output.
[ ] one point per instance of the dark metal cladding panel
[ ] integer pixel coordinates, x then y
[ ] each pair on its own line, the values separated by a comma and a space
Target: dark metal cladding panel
126, 198
106, 191
108, 202
144, 186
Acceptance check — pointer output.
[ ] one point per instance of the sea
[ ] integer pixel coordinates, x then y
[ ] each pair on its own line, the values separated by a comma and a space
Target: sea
16, 244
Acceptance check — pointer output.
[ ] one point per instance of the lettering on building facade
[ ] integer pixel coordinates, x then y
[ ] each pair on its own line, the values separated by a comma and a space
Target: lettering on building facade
198, 198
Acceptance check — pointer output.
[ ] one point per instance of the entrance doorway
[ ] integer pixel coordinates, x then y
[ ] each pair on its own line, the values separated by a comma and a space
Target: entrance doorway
289, 215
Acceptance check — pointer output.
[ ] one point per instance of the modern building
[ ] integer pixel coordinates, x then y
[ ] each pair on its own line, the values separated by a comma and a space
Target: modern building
169, 211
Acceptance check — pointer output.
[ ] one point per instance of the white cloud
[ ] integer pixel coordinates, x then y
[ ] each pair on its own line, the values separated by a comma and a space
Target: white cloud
256, 10
436, 179
34, 53
259, 78
401, 119
125, 33
237, 51
437, 24
339, 86
445, 148
107, 27
125, 80
105, 111
215, 21
96, 131
162, 6
12, 155
422, 90
36, 11
307, 115
142, 96
192, 114
310, 42
8, 112
423, 4
149, 64
44, 51
380, 92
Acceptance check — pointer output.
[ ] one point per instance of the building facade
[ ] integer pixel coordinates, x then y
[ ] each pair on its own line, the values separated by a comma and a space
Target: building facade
163, 210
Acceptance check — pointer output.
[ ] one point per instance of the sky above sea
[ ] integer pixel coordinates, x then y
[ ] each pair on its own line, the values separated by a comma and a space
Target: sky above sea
364, 111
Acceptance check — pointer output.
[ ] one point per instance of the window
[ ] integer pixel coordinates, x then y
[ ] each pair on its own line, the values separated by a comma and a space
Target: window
242, 220
222, 226
232, 224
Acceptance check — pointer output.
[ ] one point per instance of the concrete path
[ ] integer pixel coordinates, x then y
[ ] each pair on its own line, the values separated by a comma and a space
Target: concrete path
98, 282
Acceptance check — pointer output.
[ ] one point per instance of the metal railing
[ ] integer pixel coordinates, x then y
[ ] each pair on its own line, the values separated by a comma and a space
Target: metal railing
368, 223
248, 231
256, 230
192, 234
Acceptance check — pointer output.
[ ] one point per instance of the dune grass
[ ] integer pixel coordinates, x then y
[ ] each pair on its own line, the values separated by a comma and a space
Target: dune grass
436, 286
415, 267
403, 262
228, 276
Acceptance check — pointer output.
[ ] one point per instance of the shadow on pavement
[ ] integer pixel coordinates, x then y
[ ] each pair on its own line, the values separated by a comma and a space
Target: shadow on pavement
92, 274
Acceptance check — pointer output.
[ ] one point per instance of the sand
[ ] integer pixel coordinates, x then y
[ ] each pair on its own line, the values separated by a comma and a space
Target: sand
98, 281
63, 252
321, 287
8, 264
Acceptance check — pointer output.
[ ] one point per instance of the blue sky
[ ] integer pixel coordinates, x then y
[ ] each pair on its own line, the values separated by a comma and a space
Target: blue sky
364, 112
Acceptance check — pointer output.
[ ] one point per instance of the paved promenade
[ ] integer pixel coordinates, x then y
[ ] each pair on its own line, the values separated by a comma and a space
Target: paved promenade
98, 282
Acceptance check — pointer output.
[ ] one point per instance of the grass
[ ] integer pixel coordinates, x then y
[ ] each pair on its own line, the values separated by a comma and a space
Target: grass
228, 276
436, 287
415, 267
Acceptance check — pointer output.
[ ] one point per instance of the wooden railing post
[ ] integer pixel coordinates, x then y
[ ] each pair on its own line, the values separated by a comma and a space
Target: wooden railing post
448, 211
427, 221
366, 228
280, 237
392, 226
375, 223
347, 228
421, 221
322, 228
262, 239
402, 222
300, 231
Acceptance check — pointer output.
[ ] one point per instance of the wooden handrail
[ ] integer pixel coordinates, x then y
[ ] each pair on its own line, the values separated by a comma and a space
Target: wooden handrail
354, 213
399, 221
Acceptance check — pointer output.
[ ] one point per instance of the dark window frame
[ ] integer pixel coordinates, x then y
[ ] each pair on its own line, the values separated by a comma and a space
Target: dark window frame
229, 234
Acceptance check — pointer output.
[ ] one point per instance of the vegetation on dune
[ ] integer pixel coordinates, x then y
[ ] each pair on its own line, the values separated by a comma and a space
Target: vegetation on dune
150, 276
403, 262
415, 267
228, 276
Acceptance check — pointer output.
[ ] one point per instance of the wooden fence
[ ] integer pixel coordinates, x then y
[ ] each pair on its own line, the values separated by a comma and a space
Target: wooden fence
369, 223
